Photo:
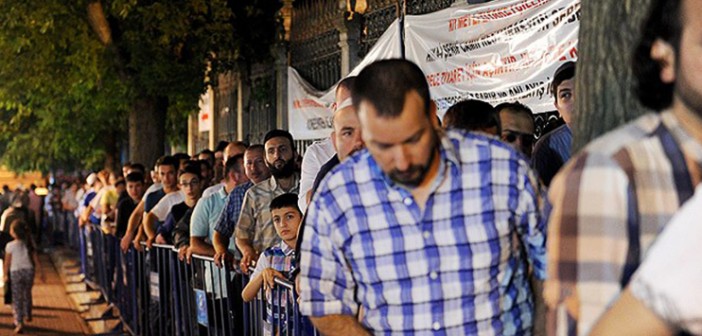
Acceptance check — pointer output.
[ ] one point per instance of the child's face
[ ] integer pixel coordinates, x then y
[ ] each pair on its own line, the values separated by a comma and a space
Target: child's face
286, 221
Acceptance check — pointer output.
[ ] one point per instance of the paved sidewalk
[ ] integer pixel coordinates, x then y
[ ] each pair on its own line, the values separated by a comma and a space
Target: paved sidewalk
54, 312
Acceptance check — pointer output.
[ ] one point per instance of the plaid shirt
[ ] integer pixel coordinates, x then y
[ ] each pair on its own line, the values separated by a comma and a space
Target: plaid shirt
228, 218
281, 258
609, 204
255, 221
458, 267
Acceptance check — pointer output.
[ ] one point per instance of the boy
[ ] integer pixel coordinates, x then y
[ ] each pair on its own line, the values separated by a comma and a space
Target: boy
277, 261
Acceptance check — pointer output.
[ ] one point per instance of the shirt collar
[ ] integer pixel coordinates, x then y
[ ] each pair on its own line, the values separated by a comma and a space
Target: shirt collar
287, 250
688, 143
274, 182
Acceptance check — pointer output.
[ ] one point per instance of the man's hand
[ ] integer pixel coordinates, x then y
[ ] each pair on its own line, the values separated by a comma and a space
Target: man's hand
269, 276
182, 252
160, 240
220, 258
137, 245
249, 256
150, 242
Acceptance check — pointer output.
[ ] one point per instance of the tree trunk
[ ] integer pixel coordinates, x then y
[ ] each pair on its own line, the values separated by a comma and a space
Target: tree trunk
609, 32
147, 125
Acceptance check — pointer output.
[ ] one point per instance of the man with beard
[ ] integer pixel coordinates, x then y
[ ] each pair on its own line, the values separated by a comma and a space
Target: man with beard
612, 200
427, 232
254, 230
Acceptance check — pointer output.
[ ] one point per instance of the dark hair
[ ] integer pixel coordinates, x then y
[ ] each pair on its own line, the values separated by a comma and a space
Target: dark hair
135, 177
191, 167
159, 161
346, 83
279, 133
287, 200
181, 156
472, 115
515, 108
386, 83
564, 72
220, 146
170, 161
206, 152
232, 164
664, 23
137, 166
22, 230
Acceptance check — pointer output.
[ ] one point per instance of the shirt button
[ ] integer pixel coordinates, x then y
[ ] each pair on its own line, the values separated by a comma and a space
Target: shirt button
408, 201
436, 326
427, 234
433, 275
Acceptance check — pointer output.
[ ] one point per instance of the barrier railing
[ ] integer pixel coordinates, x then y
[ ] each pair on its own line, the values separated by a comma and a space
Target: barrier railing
158, 294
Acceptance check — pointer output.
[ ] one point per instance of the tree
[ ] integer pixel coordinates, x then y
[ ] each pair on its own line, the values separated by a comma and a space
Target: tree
74, 72
609, 32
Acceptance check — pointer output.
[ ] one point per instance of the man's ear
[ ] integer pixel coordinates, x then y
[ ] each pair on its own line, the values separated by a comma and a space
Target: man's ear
663, 53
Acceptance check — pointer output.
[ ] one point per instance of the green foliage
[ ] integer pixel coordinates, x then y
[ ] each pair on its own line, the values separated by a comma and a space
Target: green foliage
62, 90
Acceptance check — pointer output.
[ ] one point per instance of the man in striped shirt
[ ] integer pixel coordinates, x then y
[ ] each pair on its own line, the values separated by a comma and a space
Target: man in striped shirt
427, 232
612, 200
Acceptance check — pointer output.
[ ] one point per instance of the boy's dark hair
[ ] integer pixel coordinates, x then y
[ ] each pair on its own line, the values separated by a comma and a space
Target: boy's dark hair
181, 156
472, 115
664, 22
191, 167
279, 133
288, 200
564, 72
170, 161
232, 164
135, 177
385, 85
138, 166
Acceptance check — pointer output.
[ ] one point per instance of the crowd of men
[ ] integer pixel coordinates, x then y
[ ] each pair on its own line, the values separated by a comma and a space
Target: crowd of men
400, 224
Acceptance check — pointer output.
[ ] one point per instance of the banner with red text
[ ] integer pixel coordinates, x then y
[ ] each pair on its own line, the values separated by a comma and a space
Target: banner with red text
310, 110
502, 51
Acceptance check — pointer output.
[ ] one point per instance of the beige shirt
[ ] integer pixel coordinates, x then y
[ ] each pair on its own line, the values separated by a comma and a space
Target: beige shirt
255, 221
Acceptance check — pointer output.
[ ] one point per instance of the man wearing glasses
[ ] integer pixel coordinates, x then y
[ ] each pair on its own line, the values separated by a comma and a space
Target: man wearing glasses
517, 126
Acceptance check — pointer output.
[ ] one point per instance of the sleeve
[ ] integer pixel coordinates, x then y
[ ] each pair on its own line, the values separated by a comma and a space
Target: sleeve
668, 281
308, 172
245, 226
10, 248
590, 203
261, 265
531, 224
166, 229
198, 221
161, 209
326, 284
223, 225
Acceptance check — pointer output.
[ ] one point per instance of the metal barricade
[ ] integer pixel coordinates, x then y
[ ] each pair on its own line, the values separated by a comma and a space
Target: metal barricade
158, 294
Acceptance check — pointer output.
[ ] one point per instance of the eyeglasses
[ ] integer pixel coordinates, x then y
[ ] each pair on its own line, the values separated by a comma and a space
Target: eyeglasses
511, 136
190, 184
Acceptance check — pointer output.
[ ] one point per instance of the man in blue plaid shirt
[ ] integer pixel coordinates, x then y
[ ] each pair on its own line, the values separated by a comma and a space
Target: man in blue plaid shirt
428, 232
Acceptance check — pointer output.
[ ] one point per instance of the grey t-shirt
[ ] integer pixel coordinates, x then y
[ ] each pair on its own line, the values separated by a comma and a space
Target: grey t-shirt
20, 255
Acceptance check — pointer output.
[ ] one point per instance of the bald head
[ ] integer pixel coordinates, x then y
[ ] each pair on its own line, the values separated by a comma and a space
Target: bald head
232, 149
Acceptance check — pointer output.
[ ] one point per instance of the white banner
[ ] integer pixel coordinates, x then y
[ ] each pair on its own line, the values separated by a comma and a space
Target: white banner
502, 51
498, 52
204, 116
310, 110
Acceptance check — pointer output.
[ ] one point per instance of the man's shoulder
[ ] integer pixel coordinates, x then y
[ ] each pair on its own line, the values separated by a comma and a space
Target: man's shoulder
627, 135
469, 147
